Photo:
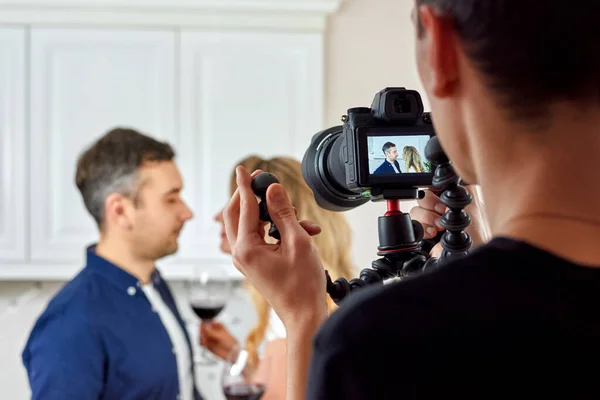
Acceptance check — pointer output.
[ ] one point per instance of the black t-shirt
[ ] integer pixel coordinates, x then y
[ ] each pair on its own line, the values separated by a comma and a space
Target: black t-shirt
508, 321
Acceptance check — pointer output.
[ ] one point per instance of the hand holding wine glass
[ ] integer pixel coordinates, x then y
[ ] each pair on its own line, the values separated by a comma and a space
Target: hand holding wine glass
241, 380
208, 291
215, 337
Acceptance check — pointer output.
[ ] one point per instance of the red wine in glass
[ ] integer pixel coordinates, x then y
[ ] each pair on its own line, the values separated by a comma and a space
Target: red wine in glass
207, 310
244, 391
209, 289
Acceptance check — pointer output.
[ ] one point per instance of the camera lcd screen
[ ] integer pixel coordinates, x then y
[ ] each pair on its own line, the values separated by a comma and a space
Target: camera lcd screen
398, 154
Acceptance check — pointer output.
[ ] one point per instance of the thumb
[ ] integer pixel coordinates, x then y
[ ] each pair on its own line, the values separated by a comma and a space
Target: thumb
281, 210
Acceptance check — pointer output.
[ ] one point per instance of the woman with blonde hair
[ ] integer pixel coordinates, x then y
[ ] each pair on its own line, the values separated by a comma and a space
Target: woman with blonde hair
412, 159
334, 246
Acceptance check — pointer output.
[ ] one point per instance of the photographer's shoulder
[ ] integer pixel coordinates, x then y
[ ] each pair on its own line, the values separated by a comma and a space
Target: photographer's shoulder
441, 294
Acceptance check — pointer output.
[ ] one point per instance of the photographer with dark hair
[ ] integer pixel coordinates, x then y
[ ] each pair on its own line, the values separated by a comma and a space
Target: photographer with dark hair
506, 80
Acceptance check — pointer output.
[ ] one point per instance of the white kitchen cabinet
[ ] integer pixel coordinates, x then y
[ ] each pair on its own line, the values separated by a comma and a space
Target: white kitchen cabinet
84, 82
13, 206
241, 93
217, 80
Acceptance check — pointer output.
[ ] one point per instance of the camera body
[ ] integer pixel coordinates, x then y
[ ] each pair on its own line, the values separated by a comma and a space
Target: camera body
383, 146
377, 150
387, 152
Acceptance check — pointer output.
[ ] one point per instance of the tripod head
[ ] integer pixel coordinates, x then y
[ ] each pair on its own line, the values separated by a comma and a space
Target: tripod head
401, 249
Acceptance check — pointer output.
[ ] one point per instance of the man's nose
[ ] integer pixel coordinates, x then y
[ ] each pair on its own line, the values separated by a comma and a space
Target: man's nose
187, 213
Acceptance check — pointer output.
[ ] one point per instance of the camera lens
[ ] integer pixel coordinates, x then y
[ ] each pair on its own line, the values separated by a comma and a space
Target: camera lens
324, 171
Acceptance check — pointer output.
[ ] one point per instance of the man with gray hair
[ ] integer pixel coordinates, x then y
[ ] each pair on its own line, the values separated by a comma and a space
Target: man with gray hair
390, 165
114, 331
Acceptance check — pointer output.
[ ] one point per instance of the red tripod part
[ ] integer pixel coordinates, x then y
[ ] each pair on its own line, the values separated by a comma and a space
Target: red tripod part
393, 208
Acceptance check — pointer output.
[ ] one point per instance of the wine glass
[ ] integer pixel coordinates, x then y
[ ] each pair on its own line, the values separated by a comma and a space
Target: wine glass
209, 290
241, 379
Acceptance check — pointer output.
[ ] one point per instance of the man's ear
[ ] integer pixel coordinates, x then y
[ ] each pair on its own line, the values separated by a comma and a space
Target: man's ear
441, 52
119, 210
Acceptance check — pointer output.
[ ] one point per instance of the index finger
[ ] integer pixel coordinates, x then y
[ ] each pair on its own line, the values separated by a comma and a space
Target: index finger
429, 201
232, 214
231, 218
249, 214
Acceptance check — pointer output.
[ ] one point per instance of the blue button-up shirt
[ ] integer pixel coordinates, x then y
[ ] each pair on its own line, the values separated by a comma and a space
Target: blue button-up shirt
99, 338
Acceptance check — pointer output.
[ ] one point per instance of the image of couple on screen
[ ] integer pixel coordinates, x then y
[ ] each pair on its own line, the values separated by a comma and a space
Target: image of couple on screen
410, 156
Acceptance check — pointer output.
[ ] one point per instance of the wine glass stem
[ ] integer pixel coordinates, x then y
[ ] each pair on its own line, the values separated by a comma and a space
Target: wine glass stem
206, 357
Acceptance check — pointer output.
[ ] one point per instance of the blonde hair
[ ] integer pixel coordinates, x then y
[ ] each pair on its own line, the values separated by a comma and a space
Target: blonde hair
333, 243
412, 158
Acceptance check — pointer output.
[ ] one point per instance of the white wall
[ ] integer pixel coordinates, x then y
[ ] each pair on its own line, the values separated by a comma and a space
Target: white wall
369, 47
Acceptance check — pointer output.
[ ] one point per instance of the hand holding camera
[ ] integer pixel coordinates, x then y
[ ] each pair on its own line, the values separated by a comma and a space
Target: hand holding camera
283, 272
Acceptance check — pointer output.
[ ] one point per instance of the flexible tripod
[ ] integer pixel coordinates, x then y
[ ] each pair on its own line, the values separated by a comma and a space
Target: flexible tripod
401, 246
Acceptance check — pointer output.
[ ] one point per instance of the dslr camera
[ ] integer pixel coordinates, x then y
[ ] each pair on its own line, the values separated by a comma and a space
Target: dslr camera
378, 153
388, 152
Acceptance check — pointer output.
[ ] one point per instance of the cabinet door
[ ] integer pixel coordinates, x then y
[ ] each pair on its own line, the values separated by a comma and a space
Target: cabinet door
13, 154
83, 83
242, 93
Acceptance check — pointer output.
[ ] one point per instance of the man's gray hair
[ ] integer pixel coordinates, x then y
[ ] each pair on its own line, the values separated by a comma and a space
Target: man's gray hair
111, 165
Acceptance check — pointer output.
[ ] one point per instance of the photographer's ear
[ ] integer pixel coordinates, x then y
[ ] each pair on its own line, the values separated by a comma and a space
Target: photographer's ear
437, 52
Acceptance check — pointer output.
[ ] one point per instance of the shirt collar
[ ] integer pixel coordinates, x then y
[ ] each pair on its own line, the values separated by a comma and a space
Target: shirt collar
123, 279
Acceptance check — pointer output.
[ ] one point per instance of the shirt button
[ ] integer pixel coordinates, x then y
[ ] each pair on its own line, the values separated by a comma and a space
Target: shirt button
131, 290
